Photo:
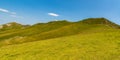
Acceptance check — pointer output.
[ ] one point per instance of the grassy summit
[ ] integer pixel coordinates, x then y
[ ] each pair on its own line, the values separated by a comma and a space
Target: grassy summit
100, 21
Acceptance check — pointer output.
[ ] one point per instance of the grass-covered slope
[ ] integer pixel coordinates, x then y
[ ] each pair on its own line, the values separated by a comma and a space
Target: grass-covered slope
55, 29
102, 45
9, 35
88, 39
99, 21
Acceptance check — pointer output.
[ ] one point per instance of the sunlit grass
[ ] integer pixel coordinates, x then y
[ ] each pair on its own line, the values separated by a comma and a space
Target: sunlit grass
90, 39
94, 46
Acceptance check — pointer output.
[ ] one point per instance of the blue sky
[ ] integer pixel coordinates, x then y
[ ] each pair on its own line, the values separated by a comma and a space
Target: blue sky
34, 11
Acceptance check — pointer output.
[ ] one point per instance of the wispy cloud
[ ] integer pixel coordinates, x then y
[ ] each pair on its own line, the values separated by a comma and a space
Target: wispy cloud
15, 16
53, 14
4, 10
12, 14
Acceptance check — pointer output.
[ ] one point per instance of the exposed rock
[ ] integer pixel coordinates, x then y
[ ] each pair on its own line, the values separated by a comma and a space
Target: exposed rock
1, 26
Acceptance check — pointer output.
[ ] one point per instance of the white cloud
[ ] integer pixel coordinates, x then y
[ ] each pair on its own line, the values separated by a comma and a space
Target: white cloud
13, 13
7, 11
10, 13
15, 16
4, 10
53, 14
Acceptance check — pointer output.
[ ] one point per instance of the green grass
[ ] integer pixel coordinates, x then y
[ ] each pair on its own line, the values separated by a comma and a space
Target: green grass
89, 39
11, 34
95, 46
54, 29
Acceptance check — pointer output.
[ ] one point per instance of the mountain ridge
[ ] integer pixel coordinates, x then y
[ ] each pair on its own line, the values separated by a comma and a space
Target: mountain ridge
54, 29
87, 20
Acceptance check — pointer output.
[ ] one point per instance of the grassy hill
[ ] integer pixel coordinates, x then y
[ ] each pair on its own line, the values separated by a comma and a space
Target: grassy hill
39, 28
53, 29
88, 39
104, 45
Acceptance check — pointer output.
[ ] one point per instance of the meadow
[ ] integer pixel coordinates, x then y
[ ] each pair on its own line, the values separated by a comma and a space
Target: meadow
89, 39
94, 46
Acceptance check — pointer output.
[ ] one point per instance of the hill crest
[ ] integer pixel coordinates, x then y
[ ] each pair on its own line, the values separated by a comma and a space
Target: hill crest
86, 21
54, 29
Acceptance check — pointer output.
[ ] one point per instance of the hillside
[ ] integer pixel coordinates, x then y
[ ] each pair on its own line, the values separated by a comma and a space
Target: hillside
88, 39
102, 45
53, 29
